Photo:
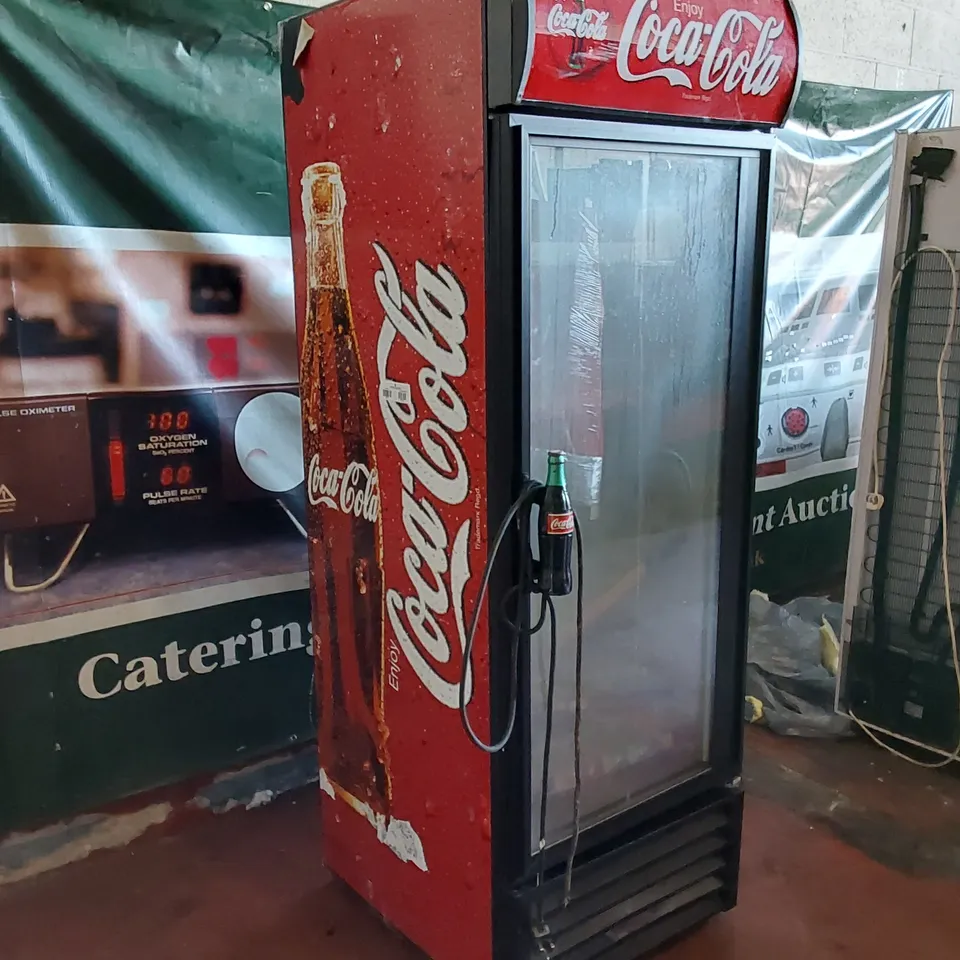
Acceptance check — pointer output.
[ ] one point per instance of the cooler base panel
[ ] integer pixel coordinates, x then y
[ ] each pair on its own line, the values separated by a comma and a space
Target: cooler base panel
643, 893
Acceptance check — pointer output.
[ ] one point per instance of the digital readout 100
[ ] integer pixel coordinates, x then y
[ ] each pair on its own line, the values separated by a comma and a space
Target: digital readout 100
169, 421
165, 422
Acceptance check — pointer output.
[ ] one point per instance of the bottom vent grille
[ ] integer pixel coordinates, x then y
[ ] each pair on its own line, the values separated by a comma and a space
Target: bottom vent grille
649, 890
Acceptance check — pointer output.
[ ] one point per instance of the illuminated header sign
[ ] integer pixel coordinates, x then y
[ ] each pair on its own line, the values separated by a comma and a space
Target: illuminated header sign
734, 61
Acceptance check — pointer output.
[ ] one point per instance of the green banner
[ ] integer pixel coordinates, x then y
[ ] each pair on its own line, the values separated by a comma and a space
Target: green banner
159, 114
90, 717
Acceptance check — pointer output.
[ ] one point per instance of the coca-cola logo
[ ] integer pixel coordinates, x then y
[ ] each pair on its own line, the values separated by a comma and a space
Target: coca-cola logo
433, 470
733, 60
720, 46
560, 524
354, 490
587, 24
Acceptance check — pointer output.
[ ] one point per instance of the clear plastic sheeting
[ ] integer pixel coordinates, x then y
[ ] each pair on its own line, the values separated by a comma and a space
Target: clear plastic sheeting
631, 266
791, 667
586, 343
576, 417
831, 184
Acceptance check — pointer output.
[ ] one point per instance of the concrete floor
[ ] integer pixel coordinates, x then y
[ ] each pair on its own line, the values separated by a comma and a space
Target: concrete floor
845, 855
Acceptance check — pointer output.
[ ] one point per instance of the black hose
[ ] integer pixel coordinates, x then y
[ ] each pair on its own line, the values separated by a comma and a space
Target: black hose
895, 434
934, 557
547, 741
522, 503
519, 512
577, 718
898, 364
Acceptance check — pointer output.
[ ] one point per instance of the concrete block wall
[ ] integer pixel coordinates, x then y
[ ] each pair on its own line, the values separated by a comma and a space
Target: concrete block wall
886, 44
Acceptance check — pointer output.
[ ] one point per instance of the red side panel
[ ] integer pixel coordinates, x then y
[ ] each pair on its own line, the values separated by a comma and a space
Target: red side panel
392, 93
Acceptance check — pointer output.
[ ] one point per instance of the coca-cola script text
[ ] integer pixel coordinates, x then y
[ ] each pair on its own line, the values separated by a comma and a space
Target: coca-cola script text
647, 36
433, 474
559, 524
355, 490
586, 24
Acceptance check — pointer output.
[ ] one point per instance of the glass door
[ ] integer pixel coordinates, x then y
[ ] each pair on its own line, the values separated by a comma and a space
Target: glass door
631, 259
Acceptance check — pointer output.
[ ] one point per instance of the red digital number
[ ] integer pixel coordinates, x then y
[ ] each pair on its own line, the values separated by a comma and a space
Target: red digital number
166, 476
184, 476
165, 421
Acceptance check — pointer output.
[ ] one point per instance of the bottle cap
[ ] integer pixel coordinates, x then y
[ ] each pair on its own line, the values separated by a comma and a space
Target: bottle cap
556, 455
323, 196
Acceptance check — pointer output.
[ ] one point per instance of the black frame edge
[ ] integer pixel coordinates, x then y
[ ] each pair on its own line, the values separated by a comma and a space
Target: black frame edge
737, 467
504, 365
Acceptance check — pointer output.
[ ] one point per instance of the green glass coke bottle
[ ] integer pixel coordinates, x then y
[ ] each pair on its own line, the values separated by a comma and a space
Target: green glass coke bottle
557, 531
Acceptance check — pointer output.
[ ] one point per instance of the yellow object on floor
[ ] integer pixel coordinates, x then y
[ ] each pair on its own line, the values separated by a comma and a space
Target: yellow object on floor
829, 648
752, 710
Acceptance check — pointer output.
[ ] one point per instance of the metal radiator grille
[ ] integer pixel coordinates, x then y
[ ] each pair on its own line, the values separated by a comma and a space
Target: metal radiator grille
641, 895
901, 663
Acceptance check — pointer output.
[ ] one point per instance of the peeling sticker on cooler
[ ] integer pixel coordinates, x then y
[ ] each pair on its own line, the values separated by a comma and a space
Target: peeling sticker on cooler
396, 393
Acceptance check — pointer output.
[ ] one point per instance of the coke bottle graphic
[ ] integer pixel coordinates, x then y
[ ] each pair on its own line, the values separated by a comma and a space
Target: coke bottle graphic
557, 531
344, 518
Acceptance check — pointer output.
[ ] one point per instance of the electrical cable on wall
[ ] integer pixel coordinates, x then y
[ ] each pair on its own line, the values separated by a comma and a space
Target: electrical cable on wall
300, 528
930, 164
876, 501
8, 572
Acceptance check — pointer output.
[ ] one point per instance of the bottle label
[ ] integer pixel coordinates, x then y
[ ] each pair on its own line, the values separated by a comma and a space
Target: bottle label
355, 490
560, 524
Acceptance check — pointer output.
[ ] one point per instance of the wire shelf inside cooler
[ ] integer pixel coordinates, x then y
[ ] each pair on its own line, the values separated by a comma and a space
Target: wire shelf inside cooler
899, 673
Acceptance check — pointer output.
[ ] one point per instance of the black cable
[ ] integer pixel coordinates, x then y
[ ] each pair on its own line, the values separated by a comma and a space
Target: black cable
527, 586
547, 741
934, 557
917, 195
898, 366
577, 718
526, 497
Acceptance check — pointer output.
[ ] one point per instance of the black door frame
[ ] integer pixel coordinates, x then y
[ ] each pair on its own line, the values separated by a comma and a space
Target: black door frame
508, 365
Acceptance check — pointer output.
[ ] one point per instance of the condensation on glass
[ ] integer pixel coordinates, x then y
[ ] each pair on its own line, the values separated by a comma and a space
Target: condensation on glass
631, 265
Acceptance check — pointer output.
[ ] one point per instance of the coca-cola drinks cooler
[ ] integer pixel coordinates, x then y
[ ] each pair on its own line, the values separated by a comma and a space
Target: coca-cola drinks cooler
521, 227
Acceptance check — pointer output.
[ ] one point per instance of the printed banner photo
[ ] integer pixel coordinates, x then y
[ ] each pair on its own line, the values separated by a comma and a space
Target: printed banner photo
150, 438
154, 610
